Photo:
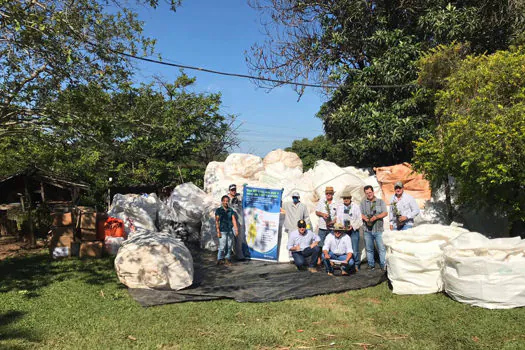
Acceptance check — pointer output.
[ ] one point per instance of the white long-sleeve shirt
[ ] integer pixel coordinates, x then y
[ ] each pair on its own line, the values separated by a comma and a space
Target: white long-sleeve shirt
353, 215
406, 205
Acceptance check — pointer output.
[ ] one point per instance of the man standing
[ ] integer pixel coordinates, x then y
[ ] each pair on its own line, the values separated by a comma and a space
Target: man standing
240, 246
226, 224
373, 210
326, 210
295, 211
304, 243
349, 215
403, 209
338, 246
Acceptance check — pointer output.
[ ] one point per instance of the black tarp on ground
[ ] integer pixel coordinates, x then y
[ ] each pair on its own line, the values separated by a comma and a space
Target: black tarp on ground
255, 281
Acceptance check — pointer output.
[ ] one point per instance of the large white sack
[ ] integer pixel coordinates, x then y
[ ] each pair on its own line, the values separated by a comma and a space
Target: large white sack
330, 174
282, 164
415, 259
213, 174
154, 260
242, 165
485, 272
209, 240
136, 211
190, 202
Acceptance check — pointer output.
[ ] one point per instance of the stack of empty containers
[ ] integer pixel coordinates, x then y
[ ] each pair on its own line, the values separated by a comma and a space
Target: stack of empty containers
91, 230
63, 240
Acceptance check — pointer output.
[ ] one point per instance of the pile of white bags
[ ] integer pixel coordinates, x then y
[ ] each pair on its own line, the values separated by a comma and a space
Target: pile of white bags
154, 260
415, 258
135, 210
485, 272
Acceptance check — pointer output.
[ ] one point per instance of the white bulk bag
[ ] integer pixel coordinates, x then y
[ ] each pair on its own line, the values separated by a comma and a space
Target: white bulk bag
485, 272
414, 257
154, 260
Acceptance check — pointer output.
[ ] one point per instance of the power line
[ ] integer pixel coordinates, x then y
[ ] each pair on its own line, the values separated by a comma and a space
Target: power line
238, 75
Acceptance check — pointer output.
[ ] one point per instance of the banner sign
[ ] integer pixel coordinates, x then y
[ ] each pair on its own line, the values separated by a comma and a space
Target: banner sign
261, 208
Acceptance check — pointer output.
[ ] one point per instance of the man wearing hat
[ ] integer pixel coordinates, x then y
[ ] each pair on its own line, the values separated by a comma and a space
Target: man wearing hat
338, 246
349, 215
240, 245
304, 244
373, 210
326, 210
403, 209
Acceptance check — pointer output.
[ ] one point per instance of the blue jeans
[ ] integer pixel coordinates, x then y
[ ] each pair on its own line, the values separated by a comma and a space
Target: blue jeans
225, 245
346, 268
370, 237
354, 237
299, 257
322, 235
406, 226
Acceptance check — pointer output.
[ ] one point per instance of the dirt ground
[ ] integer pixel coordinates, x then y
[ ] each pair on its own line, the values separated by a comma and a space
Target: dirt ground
11, 247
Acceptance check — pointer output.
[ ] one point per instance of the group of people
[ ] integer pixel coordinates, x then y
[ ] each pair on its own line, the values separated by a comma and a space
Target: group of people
337, 241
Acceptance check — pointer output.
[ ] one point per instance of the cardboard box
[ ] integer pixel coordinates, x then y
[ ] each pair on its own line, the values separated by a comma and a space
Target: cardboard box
91, 249
88, 235
62, 236
62, 219
88, 220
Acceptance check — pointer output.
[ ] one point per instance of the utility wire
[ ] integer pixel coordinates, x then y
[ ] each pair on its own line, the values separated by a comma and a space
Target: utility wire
245, 75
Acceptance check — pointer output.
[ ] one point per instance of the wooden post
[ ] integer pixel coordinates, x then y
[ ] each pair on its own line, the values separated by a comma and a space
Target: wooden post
30, 216
42, 194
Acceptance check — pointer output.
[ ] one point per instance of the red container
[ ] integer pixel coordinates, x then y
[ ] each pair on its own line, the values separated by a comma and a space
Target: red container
114, 227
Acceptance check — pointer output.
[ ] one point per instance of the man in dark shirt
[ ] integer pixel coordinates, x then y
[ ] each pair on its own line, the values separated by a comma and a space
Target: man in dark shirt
226, 224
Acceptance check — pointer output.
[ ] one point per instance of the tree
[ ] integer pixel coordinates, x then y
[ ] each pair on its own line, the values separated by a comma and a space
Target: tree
481, 133
150, 134
369, 50
319, 147
49, 45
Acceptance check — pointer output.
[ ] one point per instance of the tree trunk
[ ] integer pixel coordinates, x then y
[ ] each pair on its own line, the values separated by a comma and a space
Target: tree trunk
29, 208
448, 201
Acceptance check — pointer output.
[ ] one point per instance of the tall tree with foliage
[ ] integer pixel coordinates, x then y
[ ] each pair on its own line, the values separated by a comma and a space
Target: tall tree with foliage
369, 49
156, 134
319, 147
480, 138
48, 45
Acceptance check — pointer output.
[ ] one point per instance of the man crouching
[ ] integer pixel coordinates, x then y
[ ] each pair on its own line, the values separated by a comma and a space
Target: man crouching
338, 246
303, 244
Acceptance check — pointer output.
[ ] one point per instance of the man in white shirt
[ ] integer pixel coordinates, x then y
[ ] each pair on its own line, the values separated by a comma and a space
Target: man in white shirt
326, 211
403, 209
295, 211
338, 246
349, 215
304, 244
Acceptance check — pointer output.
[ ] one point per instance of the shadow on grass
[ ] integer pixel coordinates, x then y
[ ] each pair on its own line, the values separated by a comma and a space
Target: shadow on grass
10, 331
31, 273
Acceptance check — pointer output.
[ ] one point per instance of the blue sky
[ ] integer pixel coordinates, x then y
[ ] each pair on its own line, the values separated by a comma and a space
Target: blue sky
215, 34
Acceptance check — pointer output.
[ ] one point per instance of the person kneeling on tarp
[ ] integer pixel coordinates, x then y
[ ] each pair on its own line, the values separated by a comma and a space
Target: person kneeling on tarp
304, 244
338, 247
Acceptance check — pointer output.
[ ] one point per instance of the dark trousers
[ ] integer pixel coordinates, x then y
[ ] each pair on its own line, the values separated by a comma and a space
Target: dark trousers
299, 257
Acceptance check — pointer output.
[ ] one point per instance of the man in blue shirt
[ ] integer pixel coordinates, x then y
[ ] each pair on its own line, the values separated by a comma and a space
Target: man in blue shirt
226, 224
304, 244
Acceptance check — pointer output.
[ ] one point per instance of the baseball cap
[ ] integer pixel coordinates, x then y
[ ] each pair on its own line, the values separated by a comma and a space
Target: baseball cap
301, 224
232, 187
295, 194
398, 184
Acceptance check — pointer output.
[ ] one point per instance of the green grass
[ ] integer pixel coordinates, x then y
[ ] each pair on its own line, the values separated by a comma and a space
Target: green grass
75, 304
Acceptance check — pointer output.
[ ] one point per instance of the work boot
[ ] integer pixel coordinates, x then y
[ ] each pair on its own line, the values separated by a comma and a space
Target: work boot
228, 262
344, 273
220, 262
312, 269
330, 273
